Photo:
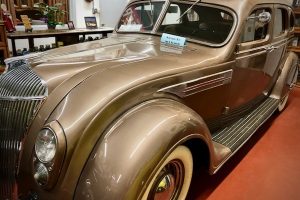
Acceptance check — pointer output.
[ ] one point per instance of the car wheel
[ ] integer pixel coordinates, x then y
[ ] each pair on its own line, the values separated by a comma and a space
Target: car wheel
283, 102
173, 178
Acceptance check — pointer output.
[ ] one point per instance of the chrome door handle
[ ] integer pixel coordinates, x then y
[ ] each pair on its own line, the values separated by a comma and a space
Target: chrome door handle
270, 48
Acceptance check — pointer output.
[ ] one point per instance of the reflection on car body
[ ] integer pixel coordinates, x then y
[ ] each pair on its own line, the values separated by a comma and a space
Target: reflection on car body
131, 116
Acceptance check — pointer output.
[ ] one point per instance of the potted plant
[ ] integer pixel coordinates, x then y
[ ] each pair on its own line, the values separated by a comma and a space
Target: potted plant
53, 15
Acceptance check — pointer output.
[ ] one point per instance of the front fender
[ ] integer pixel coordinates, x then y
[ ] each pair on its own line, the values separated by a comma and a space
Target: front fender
127, 155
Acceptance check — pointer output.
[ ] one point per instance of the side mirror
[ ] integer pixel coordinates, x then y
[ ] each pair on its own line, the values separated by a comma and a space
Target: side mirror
264, 17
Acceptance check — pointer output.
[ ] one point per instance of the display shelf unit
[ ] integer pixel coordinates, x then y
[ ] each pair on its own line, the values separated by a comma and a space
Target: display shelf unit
297, 23
296, 42
11, 8
3, 46
22, 6
68, 37
3, 39
27, 4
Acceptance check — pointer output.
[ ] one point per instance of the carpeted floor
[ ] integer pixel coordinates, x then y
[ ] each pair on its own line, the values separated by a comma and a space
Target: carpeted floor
267, 167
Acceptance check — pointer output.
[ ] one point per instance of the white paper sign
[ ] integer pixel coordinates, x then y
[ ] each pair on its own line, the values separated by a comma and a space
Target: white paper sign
131, 27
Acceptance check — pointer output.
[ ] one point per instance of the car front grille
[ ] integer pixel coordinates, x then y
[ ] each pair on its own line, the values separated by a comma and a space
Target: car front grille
21, 94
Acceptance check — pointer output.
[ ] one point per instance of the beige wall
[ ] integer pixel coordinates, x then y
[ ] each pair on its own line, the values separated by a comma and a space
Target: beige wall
108, 14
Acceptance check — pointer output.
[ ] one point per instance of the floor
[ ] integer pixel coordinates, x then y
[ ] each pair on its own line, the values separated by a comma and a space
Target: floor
267, 167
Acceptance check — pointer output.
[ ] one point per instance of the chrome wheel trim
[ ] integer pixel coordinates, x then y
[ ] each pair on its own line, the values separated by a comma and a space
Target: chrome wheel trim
173, 178
168, 183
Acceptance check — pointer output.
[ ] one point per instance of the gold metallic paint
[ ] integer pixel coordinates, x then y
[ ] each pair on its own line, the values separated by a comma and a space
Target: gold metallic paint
96, 88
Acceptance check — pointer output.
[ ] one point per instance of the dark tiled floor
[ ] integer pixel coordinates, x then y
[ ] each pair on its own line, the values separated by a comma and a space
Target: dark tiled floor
267, 167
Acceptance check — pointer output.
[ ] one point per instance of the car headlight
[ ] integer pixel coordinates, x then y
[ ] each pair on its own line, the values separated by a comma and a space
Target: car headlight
48, 155
45, 145
41, 175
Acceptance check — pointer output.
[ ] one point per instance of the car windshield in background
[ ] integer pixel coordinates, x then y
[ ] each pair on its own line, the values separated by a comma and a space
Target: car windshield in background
140, 17
204, 23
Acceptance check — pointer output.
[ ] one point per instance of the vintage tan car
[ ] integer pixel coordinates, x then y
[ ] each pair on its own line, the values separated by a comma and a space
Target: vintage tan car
179, 85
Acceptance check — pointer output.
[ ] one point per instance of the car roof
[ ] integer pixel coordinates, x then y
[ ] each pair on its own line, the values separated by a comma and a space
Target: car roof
238, 4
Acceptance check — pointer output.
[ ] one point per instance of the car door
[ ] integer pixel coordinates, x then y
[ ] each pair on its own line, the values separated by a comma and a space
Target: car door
278, 44
252, 75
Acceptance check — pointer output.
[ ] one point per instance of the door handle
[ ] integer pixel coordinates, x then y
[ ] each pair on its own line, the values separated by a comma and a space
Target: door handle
270, 48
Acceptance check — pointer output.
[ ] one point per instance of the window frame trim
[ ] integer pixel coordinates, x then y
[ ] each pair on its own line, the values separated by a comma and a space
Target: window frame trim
261, 43
287, 22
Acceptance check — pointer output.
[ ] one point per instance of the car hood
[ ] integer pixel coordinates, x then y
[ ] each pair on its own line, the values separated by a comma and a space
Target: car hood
64, 68
75, 63
65, 64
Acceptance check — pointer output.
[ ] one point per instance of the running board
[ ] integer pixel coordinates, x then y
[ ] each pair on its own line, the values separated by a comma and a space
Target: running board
234, 136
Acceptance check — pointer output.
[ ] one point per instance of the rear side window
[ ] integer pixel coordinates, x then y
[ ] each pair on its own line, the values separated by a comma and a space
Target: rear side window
253, 29
280, 21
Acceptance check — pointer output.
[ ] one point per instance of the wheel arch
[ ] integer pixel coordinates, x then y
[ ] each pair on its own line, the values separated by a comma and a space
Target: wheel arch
178, 124
284, 84
200, 152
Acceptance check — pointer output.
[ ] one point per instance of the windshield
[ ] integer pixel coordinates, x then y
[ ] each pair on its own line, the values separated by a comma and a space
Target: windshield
200, 22
140, 17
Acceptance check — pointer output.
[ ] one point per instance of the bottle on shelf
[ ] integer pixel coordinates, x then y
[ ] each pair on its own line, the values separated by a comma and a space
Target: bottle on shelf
35, 49
48, 47
25, 51
19, 52
42, 48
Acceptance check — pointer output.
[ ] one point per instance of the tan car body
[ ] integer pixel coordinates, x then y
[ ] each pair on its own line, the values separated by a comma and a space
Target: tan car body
121, 106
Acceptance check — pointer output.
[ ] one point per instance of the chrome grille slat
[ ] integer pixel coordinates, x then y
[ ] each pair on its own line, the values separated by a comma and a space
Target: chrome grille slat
8, 82
21, 94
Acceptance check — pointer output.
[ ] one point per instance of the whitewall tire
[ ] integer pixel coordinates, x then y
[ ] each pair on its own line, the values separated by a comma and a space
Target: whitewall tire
283, 102
172, 180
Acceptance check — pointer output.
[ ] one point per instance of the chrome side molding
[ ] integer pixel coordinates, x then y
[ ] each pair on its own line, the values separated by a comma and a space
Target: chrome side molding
198, 85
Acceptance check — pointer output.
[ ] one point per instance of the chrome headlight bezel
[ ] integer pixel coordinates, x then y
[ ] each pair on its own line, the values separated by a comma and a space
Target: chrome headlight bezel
54, 164
48, 155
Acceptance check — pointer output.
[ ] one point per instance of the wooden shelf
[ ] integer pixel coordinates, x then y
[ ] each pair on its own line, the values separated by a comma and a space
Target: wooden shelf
297, 29
2, 68
297, 10
3, 44
294, 49
16, 5
297, 32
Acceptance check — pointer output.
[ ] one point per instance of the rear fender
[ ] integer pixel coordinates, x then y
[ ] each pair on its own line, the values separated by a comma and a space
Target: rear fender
126, 157
287, 77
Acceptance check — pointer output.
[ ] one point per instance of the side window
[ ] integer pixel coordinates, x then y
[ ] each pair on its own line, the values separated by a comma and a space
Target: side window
280, 22
253, 29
